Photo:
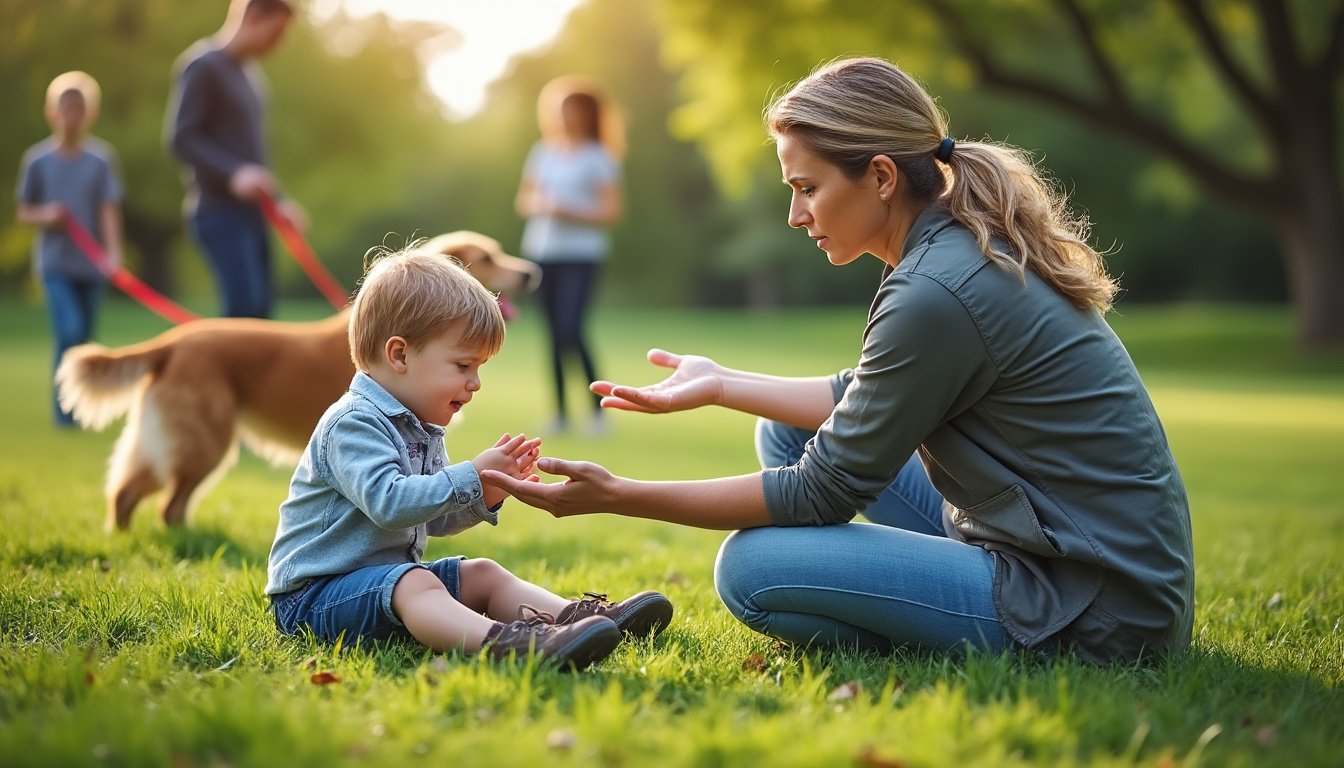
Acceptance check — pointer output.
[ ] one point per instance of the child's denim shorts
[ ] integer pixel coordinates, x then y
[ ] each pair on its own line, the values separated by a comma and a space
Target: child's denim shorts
357, 604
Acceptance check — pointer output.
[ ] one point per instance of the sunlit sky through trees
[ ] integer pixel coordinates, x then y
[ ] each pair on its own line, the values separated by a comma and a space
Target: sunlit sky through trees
480, 37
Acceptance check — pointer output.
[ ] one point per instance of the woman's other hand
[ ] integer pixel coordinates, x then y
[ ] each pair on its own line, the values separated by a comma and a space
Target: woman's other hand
695, 381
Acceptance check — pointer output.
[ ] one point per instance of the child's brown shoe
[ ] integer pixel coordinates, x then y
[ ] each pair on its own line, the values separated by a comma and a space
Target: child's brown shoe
646, 613
573, 646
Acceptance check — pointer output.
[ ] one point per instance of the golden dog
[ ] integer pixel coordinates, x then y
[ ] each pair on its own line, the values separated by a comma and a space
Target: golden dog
193, 392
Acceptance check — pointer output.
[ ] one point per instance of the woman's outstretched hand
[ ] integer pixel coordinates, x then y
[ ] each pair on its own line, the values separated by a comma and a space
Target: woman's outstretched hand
588, 488
695, 381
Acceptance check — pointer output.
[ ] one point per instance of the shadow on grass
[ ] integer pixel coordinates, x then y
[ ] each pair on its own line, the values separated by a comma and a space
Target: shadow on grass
203, 542
55, 555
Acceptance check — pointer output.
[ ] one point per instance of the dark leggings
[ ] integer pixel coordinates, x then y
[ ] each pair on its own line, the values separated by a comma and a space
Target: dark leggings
566, 290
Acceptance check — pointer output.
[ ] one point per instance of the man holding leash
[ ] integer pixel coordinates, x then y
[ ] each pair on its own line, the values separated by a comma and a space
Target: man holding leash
215, 128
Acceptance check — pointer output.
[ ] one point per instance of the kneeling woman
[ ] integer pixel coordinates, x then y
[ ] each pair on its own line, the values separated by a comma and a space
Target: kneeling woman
995, 432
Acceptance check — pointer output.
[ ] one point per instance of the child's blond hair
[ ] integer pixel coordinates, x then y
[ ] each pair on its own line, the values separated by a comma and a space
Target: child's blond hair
418, 294
83, 83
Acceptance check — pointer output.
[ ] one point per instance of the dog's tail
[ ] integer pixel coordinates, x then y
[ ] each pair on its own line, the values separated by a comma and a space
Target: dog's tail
97, 384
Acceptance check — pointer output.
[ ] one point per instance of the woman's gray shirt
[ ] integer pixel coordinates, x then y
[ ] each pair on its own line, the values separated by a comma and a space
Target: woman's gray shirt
1035, 427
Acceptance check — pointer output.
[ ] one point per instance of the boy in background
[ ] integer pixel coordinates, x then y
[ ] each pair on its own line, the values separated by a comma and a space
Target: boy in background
374, 483
70, 175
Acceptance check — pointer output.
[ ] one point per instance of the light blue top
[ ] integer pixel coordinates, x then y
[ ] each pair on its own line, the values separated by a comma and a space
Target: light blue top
85, 182
573, 178
373, 483
1034, 425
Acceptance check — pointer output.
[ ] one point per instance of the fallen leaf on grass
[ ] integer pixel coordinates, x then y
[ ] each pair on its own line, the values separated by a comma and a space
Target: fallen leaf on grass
870, 759
324, 678
755, 663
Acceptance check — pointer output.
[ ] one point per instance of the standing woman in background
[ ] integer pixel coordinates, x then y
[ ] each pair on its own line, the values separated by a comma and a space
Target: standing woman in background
571, 195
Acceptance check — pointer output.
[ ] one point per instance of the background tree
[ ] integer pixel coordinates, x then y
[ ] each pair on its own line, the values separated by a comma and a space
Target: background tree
1241, 96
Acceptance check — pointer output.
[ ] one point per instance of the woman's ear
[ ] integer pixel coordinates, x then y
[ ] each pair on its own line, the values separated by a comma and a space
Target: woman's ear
394, 351
886, 176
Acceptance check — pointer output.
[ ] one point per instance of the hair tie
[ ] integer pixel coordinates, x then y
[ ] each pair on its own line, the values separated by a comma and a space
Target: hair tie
945, 147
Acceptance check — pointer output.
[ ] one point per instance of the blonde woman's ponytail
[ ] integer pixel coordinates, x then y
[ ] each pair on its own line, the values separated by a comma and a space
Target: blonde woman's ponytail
999, 194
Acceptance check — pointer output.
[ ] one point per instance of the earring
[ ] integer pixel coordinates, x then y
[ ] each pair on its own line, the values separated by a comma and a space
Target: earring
882, 197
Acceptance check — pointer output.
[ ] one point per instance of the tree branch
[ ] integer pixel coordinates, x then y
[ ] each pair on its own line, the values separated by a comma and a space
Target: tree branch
1279, 42
1259, 106
1330, 65
1087, 36
1117, 117
1258, 191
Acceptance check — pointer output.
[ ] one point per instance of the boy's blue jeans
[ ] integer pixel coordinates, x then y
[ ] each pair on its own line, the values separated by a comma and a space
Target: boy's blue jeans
896, 582
238, 247
358, 604
72, 305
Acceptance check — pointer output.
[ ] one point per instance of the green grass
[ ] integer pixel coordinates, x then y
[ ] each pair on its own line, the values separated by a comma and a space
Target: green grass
153, 648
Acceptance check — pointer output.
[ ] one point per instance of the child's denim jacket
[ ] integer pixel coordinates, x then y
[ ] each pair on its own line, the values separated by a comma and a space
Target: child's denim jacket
372, 484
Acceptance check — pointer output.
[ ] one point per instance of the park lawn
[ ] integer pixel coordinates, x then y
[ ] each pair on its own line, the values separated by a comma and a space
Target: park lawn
154, 648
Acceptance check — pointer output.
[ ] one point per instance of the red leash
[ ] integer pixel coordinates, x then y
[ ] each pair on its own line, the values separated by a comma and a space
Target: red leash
151, 299
298, 247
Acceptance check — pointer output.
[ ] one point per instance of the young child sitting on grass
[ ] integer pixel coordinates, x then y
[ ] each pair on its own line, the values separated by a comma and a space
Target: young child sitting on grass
374, 483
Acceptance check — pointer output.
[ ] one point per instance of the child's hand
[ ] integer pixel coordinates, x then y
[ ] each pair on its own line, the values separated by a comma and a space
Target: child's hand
515, 456
53, 214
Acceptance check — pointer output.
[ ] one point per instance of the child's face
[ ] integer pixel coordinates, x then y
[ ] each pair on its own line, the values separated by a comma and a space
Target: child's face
67, 118
440, 377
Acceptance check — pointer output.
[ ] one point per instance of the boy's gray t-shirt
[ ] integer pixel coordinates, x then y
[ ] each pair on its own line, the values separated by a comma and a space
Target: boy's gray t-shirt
84, 182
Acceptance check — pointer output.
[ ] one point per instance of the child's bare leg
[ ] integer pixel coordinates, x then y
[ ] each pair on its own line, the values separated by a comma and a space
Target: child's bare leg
433, 617
489, 587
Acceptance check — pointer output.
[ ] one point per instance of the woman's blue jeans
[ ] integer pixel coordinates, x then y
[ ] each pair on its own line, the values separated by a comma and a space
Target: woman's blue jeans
72, 305
898, 581
237, 245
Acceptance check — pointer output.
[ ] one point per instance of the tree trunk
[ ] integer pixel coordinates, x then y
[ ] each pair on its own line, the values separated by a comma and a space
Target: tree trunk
1314, 258
1311, 224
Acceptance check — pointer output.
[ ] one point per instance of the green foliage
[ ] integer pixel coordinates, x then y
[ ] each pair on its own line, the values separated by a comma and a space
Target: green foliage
361, 145
1176, 238
153, 648
732, 57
